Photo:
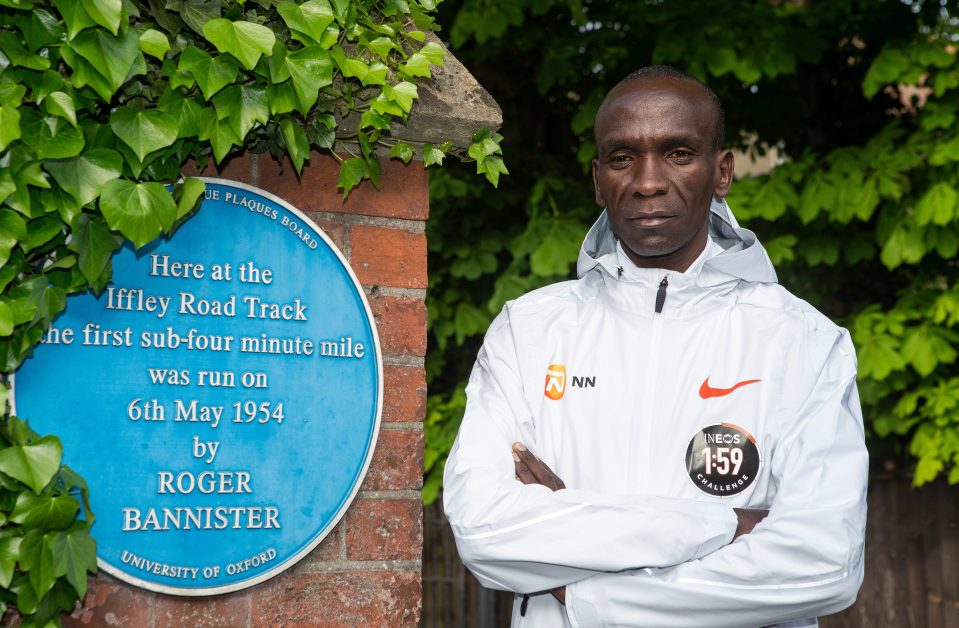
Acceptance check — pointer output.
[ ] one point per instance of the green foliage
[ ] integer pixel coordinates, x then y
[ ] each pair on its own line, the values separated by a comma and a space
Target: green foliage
45, 549
860, 213
102, 103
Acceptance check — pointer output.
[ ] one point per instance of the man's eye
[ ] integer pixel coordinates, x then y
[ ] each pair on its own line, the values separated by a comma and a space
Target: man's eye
620, 160
680, 155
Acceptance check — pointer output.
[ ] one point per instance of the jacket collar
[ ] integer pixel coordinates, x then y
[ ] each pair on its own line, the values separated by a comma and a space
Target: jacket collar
742, 258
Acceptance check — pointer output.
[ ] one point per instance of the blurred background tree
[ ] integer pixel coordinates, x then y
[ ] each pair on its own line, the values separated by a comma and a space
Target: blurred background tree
851, 103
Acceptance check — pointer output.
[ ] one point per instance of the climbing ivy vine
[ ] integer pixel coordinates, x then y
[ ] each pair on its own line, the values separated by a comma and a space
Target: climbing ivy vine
102, 102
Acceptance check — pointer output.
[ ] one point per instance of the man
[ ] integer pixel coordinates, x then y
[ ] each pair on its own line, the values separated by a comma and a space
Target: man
671, 395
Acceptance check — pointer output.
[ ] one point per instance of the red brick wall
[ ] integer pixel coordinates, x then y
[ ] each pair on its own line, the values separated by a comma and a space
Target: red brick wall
367, 571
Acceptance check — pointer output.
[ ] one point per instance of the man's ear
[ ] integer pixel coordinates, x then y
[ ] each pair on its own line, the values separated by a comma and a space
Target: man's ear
724, 180
598, 193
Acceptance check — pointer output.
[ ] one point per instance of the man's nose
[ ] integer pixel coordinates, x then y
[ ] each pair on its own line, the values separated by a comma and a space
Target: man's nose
649, 178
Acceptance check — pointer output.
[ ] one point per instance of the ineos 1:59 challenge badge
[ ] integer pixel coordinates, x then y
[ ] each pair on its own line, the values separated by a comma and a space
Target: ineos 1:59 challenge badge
722, 459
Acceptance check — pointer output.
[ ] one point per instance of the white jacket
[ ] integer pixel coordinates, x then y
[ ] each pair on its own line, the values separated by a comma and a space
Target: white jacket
641, 535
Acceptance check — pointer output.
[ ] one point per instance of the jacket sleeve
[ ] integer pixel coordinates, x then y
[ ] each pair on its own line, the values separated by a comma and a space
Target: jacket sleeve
527, 538
804, 559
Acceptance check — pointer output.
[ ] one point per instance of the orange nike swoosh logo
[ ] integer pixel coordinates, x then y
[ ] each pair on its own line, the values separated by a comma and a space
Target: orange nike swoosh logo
706, 391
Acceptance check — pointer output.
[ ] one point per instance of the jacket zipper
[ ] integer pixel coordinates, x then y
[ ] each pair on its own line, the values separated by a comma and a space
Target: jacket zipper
661, 294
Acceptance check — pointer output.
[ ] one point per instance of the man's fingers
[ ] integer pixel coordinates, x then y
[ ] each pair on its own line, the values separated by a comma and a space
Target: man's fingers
537, 469
523, 474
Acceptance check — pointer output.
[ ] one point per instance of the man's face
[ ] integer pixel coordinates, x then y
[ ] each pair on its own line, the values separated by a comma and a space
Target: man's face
658, 169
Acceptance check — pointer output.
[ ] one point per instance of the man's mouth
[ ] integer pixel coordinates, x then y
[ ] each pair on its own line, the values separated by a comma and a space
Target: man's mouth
651, 220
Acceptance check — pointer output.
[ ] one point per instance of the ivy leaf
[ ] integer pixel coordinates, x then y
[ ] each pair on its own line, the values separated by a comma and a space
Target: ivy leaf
434, 52
13, 229
154, 43
40, 231
188, 195
381, 47
416, 65
372, 120
310, 70
184, 110
492, 167
94, 245
9, 125
432, 155
211, 73
9, 555
403, 151
309, 19
402, 94
322, 131
51, 137
352, 172
937, 205
221, 136
106, 13
376, 74
112, 58
19, 56
244, 40
195, 13
74, 554
6, 319
242, 107
61, 104
297, 145
44, 511
33, 464
37, 559
140, 211
84, 176
282, 97
349, 66
74, 16
383, 105
41, 29
143, 130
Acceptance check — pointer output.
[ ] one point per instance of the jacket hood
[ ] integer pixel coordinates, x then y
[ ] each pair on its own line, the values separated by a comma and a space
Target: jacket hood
743, 256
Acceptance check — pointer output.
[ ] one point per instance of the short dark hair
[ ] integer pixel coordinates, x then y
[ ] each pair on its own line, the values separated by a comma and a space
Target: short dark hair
665, 71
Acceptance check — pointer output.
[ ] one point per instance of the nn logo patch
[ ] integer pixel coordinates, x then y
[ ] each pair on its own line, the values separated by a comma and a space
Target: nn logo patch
556, 382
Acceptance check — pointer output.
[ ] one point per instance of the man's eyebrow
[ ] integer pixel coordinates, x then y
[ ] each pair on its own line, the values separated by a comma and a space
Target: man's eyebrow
672, 141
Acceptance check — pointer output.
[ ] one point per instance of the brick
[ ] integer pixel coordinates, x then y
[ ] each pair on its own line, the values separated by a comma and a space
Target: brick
328, 549
404, 393
403, 193
384, 529
112, 604
382, 256
401, 322
334, 230
397, 461
363, 598
235, 168
223, 611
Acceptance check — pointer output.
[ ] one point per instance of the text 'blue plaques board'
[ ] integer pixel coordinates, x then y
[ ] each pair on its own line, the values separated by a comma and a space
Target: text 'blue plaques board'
222, 397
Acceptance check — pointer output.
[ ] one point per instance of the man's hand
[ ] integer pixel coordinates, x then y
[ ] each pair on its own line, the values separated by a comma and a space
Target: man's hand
748, 518
532, 470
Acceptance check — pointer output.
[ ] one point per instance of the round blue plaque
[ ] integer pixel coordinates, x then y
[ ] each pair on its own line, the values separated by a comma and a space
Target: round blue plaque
222, 397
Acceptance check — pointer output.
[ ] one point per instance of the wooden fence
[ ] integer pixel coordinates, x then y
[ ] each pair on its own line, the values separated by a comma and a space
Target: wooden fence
912, 567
